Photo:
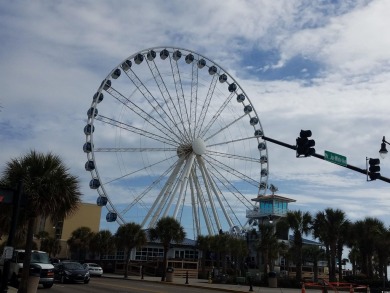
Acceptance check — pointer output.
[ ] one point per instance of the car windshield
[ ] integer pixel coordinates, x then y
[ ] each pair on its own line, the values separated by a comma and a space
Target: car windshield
93, 265
36, 257
73, 266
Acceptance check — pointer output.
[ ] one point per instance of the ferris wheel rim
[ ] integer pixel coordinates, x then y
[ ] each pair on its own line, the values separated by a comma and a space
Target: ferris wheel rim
90, 137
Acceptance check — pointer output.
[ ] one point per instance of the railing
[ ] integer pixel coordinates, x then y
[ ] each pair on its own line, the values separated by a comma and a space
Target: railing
181, 268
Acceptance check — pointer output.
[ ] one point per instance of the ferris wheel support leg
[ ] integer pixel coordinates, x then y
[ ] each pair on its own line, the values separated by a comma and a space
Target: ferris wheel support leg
202, 202
184, 181
166, 190
228, 219
194, 204
206, 179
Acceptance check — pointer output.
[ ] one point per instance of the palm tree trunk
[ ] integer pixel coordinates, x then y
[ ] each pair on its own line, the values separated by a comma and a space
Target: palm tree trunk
127, 264
27, 257
165, 264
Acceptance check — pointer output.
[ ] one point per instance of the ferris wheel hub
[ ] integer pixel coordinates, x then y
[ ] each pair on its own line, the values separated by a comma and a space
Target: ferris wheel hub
198, 146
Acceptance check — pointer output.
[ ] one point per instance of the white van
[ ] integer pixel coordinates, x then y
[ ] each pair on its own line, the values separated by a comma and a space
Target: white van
40, 258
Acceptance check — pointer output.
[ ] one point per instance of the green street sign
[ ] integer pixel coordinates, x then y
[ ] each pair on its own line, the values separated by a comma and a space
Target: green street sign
335, 158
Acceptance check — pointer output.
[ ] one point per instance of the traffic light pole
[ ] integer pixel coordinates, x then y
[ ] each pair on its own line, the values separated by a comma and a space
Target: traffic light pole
293, 147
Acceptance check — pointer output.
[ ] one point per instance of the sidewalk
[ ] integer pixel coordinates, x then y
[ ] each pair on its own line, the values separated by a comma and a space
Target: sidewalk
202, 283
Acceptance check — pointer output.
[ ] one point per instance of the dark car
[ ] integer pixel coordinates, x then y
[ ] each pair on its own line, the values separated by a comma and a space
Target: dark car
69, 271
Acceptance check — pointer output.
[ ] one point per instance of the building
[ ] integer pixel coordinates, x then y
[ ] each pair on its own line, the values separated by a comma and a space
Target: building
87, 215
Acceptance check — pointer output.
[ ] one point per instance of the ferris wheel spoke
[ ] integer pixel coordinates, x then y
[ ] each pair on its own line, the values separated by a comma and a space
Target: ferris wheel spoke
180, 95
216, 115
226, 142
163, 88
138, 170
133, 150
141, 113
233, 156
230, 210
225, 182
206, 103
237, 174
138, 198
193, 100
224, 128
136, 130
152, 101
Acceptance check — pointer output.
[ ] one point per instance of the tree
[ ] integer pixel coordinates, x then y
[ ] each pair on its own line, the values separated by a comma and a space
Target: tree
204, 244
50, 189
268, 246
51, 245
300, 224
102, 243
313, 253
127, 237
79, 242
167, 230
330, 227
367, 233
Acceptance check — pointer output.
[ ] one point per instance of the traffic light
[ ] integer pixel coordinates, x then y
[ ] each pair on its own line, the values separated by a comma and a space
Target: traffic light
304, 145
373, 170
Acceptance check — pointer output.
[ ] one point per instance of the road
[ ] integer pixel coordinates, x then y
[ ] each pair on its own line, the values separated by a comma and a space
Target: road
104, 285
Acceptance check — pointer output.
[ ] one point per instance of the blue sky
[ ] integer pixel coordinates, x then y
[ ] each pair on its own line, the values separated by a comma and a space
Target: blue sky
319, 65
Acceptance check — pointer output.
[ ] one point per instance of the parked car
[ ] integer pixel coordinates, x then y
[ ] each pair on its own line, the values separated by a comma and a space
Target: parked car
70, 271
94, 269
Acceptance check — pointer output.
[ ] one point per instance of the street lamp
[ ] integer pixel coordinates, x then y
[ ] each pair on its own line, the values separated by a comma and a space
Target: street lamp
383, 151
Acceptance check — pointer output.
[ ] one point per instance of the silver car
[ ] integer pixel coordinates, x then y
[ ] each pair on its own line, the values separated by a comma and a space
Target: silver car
94, 269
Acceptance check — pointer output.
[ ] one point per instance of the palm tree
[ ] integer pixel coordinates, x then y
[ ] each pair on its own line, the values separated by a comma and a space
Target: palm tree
204, 244
267, 245
79, 242
300, 223
51, 245
102, 243
127, 237
367, 232
330, 228
383, 252
313, 253
50, 189
167, 230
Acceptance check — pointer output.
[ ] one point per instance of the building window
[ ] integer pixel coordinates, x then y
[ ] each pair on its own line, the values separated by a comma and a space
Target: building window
149, 253
186, 254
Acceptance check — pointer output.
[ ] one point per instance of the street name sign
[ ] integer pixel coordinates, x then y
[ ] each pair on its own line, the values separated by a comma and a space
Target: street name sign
335, 158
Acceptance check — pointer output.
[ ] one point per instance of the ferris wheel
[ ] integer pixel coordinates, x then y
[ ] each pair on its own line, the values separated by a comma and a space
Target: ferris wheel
171, 133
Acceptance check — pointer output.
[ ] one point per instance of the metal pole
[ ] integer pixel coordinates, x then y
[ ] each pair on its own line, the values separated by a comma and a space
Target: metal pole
187, 277
318, 156
10, 241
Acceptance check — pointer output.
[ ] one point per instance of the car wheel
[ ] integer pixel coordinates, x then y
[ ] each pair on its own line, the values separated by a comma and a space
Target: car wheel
48, 285
86, 281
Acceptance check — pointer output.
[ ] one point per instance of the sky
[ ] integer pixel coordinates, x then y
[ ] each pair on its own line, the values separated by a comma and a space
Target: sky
318, 65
